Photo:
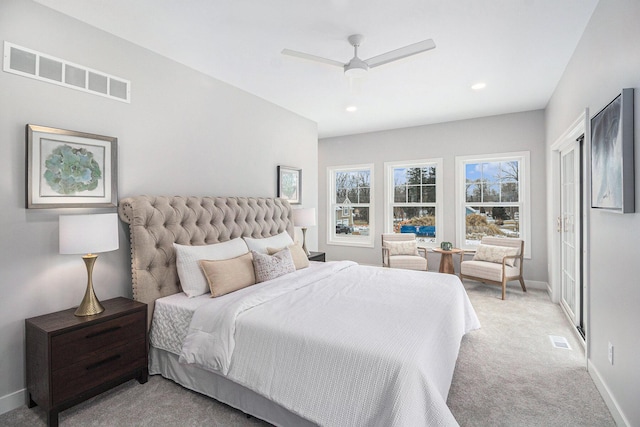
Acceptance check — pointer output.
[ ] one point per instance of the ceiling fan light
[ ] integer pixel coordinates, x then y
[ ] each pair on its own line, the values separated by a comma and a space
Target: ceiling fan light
356, 68
355, 72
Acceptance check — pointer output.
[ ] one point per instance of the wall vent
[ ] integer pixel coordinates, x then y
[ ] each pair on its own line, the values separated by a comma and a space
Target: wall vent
29, 63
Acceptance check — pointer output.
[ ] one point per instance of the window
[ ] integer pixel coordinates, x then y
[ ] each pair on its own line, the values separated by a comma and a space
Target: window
493, 198
413, 195
350, 205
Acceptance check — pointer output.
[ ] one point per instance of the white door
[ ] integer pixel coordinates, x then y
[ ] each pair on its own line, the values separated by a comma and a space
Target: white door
569, 228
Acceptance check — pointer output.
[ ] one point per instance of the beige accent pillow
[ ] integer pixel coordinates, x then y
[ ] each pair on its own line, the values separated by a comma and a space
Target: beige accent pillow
493, 253
300, 259
228, 275
409, 247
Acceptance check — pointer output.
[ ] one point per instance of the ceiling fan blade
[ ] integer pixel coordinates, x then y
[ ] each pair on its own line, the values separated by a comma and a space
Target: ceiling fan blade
310, 57
400, 53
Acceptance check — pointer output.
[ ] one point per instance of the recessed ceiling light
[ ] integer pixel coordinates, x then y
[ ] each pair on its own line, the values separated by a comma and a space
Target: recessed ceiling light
352, 108
479, 86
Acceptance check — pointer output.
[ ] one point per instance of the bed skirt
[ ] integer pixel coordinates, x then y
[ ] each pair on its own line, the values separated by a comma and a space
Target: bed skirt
221, 389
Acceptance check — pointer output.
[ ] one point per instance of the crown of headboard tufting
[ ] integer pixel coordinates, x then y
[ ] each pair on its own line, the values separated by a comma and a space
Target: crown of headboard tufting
156, 222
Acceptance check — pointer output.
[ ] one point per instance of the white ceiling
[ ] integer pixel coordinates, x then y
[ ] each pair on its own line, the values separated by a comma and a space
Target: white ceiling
519, 48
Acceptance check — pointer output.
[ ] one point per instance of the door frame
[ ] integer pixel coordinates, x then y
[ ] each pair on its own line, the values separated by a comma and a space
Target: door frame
580, 126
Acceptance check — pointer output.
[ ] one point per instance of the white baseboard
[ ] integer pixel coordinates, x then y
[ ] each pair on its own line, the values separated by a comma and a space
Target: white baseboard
609, 400
12, 401
536, 284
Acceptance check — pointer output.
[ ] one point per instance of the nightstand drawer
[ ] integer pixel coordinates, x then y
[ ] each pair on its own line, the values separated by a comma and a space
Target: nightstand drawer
108, 365
89, 342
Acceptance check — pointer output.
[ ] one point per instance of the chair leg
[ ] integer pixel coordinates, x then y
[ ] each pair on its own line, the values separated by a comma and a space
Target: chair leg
524, 289
504, 288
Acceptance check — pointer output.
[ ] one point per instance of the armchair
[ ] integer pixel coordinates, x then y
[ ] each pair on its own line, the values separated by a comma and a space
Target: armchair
400, 250
497, 260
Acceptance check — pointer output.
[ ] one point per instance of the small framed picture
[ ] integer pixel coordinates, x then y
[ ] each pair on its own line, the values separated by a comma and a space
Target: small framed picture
290, 184
69, 169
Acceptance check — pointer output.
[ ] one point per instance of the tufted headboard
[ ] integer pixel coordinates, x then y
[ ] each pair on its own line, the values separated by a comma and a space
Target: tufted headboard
156, 222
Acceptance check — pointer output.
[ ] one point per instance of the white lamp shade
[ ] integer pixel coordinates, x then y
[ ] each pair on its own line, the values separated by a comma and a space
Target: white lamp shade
88, 234
304, 217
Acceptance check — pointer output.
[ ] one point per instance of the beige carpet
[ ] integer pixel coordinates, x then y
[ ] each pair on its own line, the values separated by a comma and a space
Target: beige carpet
508, 374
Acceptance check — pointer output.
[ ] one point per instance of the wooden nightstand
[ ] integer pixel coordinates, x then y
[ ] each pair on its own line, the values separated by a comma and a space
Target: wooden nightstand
70, 359
316, 256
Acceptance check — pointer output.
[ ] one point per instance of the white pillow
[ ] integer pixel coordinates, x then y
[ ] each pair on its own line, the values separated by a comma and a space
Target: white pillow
268, 267
281, 240
403, 247
192, 278
493, 253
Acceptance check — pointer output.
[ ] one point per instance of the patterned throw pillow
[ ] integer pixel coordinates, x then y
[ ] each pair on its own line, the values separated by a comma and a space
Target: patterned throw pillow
268, 267
493, 253
409, 247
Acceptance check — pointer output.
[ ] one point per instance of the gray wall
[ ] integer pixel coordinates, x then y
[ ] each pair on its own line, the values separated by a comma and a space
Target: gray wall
183, 133
606, 60
496, 134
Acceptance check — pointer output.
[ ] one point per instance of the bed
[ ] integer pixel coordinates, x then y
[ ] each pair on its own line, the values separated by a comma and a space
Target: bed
334, 343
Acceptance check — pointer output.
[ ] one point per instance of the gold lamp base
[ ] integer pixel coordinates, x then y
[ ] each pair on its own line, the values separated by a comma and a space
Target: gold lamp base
90, 304
304, 241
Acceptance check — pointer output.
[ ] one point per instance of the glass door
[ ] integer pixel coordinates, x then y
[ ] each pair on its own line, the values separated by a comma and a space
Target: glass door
570, 230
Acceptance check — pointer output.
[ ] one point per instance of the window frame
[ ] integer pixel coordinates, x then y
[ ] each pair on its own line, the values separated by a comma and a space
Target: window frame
523, 204
389, 195
350, 240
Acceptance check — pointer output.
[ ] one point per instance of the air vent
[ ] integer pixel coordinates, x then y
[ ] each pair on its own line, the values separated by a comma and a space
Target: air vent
559, 342
29, 63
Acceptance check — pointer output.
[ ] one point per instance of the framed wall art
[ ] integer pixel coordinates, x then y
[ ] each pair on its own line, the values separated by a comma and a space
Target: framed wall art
612, 176
290, 184
69, 169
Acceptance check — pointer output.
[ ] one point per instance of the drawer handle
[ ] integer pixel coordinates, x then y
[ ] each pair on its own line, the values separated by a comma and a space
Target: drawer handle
102, 362
104, 331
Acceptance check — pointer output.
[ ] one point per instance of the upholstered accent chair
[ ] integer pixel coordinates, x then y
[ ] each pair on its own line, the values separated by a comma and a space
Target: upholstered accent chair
497, 260
400, 250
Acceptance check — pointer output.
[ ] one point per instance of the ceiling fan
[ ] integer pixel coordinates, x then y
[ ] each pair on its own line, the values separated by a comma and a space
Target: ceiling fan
357, 67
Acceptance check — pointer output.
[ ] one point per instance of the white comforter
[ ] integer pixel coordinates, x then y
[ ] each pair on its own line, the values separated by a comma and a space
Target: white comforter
341, 344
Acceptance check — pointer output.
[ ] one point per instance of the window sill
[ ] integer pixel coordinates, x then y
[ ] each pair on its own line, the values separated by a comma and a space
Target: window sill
361, 244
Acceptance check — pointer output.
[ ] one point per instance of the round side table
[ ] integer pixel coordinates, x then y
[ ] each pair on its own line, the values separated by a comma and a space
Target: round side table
446, 259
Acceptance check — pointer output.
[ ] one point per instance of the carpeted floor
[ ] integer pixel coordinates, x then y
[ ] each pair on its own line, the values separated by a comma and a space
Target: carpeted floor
508, 374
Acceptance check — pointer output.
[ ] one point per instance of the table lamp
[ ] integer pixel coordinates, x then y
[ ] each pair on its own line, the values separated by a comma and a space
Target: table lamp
88, 234
304, 218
